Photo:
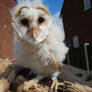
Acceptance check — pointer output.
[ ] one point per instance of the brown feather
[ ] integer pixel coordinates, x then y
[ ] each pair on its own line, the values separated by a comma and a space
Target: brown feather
43, 9
18, 11
55, 62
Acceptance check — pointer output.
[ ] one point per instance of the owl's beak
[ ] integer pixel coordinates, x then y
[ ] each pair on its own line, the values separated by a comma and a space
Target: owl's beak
33, 34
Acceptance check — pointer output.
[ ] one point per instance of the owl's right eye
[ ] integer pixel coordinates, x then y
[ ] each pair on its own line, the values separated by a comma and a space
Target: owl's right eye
25, 22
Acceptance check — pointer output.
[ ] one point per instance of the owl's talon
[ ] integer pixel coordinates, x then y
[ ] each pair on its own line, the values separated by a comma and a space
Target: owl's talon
30, 84
55, 84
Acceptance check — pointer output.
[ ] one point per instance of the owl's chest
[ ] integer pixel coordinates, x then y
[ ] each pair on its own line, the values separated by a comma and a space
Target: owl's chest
37, 57
39, 60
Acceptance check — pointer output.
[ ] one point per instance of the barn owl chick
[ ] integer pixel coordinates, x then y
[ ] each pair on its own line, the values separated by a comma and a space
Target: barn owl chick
37, 38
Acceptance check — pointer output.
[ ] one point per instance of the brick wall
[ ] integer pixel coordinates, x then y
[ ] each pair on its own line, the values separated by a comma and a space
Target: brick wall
77, 21
6, 31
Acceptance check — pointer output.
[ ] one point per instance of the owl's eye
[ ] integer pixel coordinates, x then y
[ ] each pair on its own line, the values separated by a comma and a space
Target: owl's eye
40, 20
25, 22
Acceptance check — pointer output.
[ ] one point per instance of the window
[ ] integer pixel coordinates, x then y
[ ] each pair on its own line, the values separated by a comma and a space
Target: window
87, 4
76, 42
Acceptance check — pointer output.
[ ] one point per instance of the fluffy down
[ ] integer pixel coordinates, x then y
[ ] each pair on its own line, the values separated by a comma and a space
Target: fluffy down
36, 55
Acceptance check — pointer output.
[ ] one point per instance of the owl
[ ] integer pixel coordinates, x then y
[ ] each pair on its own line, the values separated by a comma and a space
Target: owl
38, 39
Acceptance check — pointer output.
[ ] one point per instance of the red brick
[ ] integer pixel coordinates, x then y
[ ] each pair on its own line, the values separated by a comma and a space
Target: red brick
6, 31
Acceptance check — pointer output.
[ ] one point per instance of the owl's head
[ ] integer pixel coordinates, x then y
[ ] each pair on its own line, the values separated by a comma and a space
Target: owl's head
32, 23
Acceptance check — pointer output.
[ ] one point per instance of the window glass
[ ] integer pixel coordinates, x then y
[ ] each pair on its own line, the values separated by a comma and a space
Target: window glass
87, 4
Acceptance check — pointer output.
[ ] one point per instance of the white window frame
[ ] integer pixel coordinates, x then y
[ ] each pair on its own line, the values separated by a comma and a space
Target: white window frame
76, 41
87, 4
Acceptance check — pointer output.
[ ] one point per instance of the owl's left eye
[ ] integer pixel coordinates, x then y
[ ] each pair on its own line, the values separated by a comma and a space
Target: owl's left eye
40, 20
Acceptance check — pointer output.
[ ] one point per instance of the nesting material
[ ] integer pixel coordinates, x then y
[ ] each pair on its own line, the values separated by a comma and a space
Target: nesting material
14, 78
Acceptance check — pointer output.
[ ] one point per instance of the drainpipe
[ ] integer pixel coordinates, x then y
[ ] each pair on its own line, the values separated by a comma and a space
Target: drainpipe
86, 57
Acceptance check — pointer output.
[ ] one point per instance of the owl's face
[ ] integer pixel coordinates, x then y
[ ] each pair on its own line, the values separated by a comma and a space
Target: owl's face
32, 24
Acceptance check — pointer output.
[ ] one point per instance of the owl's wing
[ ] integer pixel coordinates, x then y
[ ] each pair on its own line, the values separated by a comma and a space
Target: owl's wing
59, 34
58, 21
55, 62
58, 28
